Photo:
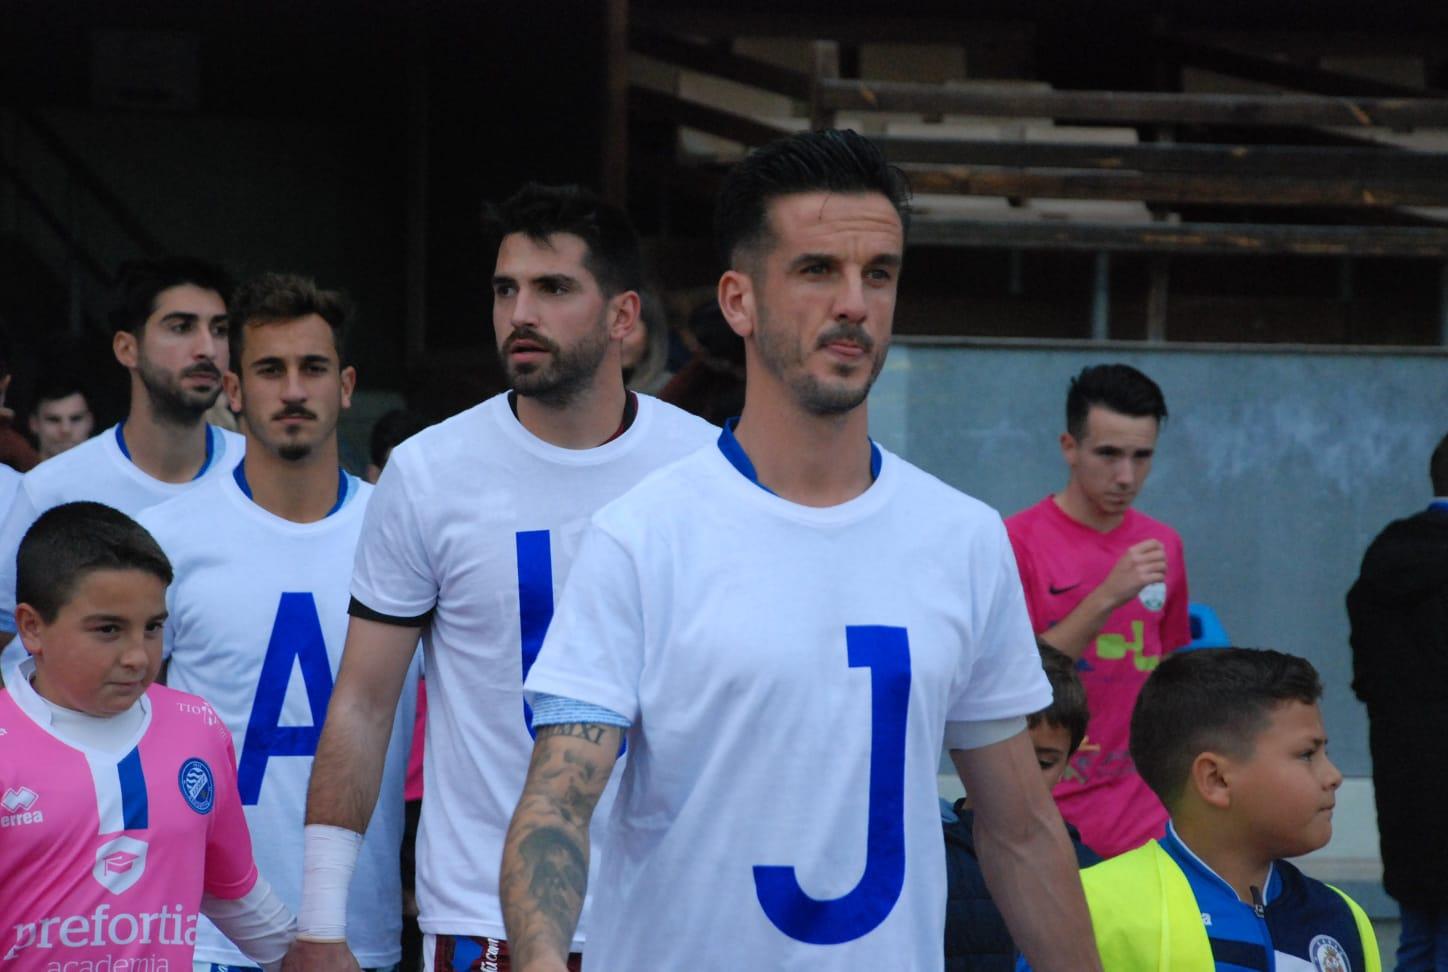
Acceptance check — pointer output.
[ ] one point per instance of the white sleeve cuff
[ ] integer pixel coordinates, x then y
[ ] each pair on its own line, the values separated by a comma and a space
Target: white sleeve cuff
257, 922
986, 732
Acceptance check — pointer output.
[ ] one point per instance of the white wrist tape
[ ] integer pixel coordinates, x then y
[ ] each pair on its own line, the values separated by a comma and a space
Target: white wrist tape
329, 855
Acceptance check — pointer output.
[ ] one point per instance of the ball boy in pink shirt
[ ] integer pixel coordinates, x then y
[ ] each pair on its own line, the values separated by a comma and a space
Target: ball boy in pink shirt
119, 816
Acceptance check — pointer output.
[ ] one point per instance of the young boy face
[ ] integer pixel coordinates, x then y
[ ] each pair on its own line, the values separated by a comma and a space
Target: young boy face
103, 649
1285, 791
1053, 750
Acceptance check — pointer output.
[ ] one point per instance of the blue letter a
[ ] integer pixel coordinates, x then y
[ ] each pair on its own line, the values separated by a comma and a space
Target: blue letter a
296, 634
885, 651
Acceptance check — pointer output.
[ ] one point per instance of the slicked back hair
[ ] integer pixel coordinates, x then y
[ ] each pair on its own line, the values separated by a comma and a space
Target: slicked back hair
272, 298
539, 211
831, 160
140, 282
1211, 700
1438, 468
1068, 708
69, 541
1118, 387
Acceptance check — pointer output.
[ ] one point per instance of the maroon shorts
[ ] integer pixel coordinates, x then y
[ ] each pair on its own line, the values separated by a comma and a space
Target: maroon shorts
462, 953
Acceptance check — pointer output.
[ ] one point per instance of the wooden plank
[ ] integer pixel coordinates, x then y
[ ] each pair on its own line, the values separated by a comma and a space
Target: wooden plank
1136, 107
1303, 161
711, 60
826, 67
1255, 67
1188, 238
1227, 189
689, 114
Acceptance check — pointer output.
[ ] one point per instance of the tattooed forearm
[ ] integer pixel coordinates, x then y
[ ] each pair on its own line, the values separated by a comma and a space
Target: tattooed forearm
578, 730
545, 857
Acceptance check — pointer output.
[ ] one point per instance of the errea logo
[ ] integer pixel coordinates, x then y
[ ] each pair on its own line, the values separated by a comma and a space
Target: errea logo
17, 802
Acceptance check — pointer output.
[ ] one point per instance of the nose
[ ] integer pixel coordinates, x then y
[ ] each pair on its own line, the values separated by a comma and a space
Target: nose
850, 300
522, 310
1334, 775
293, 389
135, 657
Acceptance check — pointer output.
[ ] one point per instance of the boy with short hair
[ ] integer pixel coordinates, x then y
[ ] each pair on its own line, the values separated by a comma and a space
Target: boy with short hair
121, 816
976, 937
1232, 742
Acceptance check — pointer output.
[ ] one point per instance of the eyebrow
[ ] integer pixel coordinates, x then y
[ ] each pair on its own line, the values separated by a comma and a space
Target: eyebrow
879, 260
274, 359
554, 279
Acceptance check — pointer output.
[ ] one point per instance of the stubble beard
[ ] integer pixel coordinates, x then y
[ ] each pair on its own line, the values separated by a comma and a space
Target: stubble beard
169, 401
560, 381
780, 354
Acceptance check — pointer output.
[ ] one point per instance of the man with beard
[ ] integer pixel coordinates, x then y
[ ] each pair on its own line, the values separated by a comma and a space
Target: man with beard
169, 331
258, 610
788, 626
471, 531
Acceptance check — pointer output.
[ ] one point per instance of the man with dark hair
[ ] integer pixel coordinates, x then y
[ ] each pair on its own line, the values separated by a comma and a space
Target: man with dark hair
470, 533
258, 596
1398, 608
1106, 585
788, 625
169, 326
61, 416
121, 808
1232, 741
388, 432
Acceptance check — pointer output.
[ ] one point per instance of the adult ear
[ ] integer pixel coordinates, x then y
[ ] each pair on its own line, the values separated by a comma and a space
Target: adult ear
31, 628
126, 347
1069, 445
1210, 777
348, 378
736, 302
231, 385
624, 311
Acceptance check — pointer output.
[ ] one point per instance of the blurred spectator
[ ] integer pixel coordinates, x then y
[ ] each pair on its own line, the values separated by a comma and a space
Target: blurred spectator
61, 417
1399, 614
15, 451
646, 348
389, 431
711, 384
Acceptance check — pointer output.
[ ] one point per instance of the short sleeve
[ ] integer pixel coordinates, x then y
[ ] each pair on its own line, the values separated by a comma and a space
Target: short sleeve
230, 867
594, 649
1005, 677
1176, 629
21, 515
1025, 567
392, 572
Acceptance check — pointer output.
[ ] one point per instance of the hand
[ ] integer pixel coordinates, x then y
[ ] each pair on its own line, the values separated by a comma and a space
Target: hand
319, 957
1144, 563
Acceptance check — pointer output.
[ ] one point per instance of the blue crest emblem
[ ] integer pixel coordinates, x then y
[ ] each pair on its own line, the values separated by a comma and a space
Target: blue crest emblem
197, 785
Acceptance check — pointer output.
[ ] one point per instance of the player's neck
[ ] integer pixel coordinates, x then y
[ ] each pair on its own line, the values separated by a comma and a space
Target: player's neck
808, 459
172, 452
1074, 504
300, 490
585, 422
1230, 857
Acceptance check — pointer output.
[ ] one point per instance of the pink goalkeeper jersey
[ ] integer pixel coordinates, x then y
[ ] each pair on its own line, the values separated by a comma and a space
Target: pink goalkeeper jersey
103, 858
1061, 561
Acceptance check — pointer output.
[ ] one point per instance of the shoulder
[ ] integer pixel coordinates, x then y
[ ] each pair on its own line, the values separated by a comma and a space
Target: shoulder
943, 498
233, 447
465, 435
669, 422
55, 480
676, 484
175, 515
1136, 869
189, 713
1144, 525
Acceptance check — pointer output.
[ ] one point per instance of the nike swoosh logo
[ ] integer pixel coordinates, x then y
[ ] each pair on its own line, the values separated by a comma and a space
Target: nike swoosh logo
1062, 590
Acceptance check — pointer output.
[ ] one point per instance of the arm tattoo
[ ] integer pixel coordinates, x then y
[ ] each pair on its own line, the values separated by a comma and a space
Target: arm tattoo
578, 730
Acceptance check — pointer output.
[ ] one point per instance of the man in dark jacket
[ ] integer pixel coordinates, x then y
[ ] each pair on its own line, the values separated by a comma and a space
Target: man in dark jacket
1399, 614
976, 937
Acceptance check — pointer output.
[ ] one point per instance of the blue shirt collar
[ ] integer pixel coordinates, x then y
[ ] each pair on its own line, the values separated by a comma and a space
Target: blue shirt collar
1203, 879
1440, 503
739, 459
211, 434
239, 474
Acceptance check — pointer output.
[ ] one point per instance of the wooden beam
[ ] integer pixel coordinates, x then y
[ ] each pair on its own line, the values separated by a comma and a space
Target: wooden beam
1187, 238
711, 60
613, 161
1137, 107
1287, 160
1178, 189
656, 105
825, 55
1285, 74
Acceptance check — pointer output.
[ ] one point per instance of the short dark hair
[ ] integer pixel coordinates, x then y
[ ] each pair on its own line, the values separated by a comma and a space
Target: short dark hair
69, 541
55, 385
391, 430
275, 297
539, 211
1068, 696
1438, 468
140, 282
825, 161
1211, 700
1118, 387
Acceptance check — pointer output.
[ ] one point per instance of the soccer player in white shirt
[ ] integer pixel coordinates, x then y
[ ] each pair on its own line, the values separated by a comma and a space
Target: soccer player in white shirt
258, 611
169, 327
789, 626
470, 533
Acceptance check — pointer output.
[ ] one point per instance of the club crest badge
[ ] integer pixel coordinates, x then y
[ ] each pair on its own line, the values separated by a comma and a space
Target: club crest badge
1153, 596
198, 786
1327, 955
